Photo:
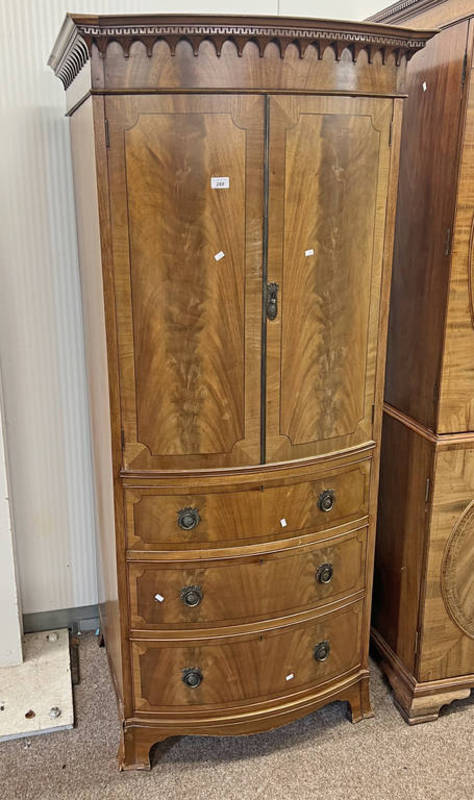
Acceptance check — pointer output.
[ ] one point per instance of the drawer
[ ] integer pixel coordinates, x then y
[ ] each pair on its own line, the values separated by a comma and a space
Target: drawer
216, 672
260, 512
197, 594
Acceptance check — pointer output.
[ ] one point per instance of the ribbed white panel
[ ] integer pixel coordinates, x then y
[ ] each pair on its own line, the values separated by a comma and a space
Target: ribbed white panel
41, 343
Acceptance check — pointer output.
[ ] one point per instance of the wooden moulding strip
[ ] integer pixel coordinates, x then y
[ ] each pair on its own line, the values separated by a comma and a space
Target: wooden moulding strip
330, 460
438, 439
323, 692
297, 542
417, 688
231, 632
80, 34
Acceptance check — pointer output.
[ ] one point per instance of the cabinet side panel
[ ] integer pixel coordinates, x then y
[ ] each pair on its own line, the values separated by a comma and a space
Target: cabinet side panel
456, 412
87, 215
405, 466
428, 164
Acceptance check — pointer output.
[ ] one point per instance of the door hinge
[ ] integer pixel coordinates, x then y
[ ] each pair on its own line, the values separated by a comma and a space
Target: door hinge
390, 133
447, 248
417, 638
427, 489
464, 70
122, 438
107, 134
373, 413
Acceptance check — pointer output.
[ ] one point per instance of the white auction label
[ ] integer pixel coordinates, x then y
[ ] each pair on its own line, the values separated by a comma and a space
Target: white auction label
309, 252
219, 255
220, 183
283, 522
159, 598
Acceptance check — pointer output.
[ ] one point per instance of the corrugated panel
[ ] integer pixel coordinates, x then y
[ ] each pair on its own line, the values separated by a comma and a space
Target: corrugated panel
41, 342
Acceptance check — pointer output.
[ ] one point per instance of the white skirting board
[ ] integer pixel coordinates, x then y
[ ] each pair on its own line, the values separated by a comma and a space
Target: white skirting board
36, 696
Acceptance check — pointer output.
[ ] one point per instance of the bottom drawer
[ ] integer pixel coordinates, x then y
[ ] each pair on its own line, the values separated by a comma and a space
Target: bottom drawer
231, 670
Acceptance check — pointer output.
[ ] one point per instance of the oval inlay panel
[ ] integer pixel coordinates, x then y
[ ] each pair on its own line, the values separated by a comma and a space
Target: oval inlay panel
457, 574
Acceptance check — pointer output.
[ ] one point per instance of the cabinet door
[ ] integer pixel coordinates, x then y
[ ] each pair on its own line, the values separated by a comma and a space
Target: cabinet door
328, 176
186, 184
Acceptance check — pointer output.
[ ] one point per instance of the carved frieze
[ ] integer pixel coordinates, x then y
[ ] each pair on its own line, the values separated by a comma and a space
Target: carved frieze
80, 34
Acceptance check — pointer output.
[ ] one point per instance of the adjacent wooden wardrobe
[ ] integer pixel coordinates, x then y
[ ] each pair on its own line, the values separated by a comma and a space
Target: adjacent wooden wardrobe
424, 573
235, 185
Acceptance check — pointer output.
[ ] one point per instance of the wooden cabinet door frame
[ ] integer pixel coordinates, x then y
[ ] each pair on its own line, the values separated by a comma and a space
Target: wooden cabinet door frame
283, 388
321, 372
190, 364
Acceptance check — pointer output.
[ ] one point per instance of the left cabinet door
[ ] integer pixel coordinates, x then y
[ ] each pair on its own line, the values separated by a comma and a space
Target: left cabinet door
186, 204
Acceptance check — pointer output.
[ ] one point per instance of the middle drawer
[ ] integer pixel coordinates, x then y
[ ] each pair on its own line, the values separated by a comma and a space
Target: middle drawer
197, 593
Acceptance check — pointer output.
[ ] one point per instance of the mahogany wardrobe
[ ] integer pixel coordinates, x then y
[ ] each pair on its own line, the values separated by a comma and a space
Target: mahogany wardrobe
235, 182
424, 573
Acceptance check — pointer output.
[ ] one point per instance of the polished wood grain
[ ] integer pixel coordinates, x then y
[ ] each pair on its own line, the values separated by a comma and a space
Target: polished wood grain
277, 584
232, 52
456, 582
329, 298
456, 407
427, 195
403, 518
231, 668
189, 325
273, 473
248, 71
396, 126
423, 13
447, 644
418, 701
257, 513
200, 384
422, 603
92, 289
139, 735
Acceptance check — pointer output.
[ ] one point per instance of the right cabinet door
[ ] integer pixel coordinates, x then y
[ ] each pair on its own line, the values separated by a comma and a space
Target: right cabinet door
329, 160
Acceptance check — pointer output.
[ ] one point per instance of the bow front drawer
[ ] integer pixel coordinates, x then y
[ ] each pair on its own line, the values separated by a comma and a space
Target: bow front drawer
173, 674
196, 593
265, 510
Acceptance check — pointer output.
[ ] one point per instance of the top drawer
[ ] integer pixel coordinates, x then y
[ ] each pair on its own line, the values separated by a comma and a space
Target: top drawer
222, 516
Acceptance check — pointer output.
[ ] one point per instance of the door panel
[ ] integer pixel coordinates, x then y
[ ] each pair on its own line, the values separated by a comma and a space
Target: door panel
187, 262
329, 159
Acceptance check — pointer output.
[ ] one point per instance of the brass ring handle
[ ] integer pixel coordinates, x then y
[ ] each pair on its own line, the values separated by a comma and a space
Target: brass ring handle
192, 677
191, 595
188, 518
326, 500
324, 573
321, 651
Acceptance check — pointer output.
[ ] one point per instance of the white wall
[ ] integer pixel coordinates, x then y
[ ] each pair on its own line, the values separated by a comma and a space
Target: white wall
11, 649
41, 349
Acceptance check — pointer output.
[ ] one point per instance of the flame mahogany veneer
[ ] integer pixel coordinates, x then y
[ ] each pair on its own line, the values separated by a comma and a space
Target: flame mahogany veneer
235, 182
423, 593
